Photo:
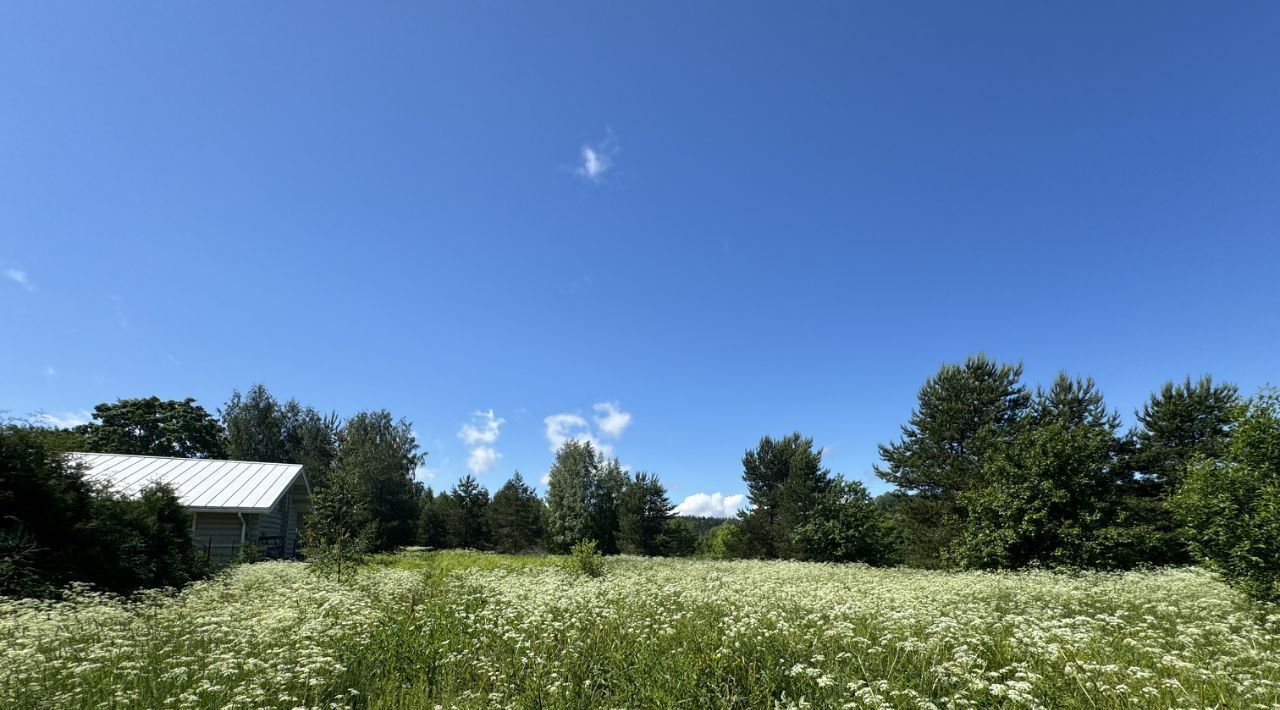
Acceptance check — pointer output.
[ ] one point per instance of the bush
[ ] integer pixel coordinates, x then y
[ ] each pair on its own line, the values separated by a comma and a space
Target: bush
1231, 506
585, 559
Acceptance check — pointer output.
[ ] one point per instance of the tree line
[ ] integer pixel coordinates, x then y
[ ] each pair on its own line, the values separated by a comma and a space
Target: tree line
987, 474
991, 475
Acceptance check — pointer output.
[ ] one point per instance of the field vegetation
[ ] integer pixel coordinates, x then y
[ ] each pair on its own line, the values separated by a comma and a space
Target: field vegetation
475, 630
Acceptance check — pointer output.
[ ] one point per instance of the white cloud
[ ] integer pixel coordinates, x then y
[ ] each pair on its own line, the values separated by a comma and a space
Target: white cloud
481, 459
480, 434
50, 371
485, 433
596, 160
610, 420
66, 420
572, 427
19, 277
711, 505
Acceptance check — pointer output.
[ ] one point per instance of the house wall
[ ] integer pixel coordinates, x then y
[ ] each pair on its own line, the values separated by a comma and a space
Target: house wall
218, 534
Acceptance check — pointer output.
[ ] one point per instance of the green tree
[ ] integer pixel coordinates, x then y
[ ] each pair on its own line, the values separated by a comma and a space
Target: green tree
963, 413
846, 526
381, 453
515, 516
644, 512
255, 424
785, 480
1231, 505
1050, 495
723, 541
607, 487
570, 484
679, 538
341, 528
466, 517
431, 528
154, 427
259, 428
1181, 423
44, 503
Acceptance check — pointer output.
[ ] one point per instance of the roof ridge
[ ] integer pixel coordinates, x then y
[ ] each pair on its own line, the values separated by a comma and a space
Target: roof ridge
177, 458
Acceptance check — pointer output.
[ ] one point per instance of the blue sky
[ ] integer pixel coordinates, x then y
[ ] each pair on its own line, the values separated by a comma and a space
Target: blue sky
695, 223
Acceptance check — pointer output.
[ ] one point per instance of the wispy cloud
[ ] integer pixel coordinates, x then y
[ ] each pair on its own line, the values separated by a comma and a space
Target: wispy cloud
610, 420
480, 434
711, 505
19, 277
596, 159
66, 420
50, 371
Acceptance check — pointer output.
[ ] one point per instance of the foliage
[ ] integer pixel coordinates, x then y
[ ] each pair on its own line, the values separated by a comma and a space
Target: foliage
679, 539
846, 526
722, 542
431, 528
493, 631
341, 528
1231, 505
644, 512
259, 428
154, 427
607, 486
466, 515
55, 528
1049, 495
1180, 424
963, 413
785, 480
381, 455
515, 516
585, 559
570, 484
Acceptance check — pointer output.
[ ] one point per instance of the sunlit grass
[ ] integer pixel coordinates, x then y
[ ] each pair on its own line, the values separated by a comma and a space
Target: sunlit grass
475, 630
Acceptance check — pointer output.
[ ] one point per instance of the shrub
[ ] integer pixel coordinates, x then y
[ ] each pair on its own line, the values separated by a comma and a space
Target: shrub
1231, 506
585, 559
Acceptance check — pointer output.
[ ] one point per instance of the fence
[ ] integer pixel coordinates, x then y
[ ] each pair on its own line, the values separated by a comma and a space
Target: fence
220, 552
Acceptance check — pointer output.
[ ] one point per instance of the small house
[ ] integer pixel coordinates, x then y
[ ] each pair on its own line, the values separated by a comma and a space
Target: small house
231, 502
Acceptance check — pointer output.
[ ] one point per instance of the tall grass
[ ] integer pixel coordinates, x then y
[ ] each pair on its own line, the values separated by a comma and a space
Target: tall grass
475, 630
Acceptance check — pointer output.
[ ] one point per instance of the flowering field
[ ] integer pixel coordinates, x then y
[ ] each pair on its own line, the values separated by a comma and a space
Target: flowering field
471, 630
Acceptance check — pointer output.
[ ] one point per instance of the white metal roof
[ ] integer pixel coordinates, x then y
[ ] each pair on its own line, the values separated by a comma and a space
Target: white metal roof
203, 485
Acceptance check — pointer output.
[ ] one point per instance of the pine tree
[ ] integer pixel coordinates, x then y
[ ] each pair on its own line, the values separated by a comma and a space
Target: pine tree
1180, 423
515, 516
963, 414
569, 496
644, 512
785, 479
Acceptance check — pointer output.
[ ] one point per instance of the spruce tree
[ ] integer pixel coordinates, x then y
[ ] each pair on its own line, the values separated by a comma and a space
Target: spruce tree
570, 484
607, 487
644, 512
466, 519
515, 516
